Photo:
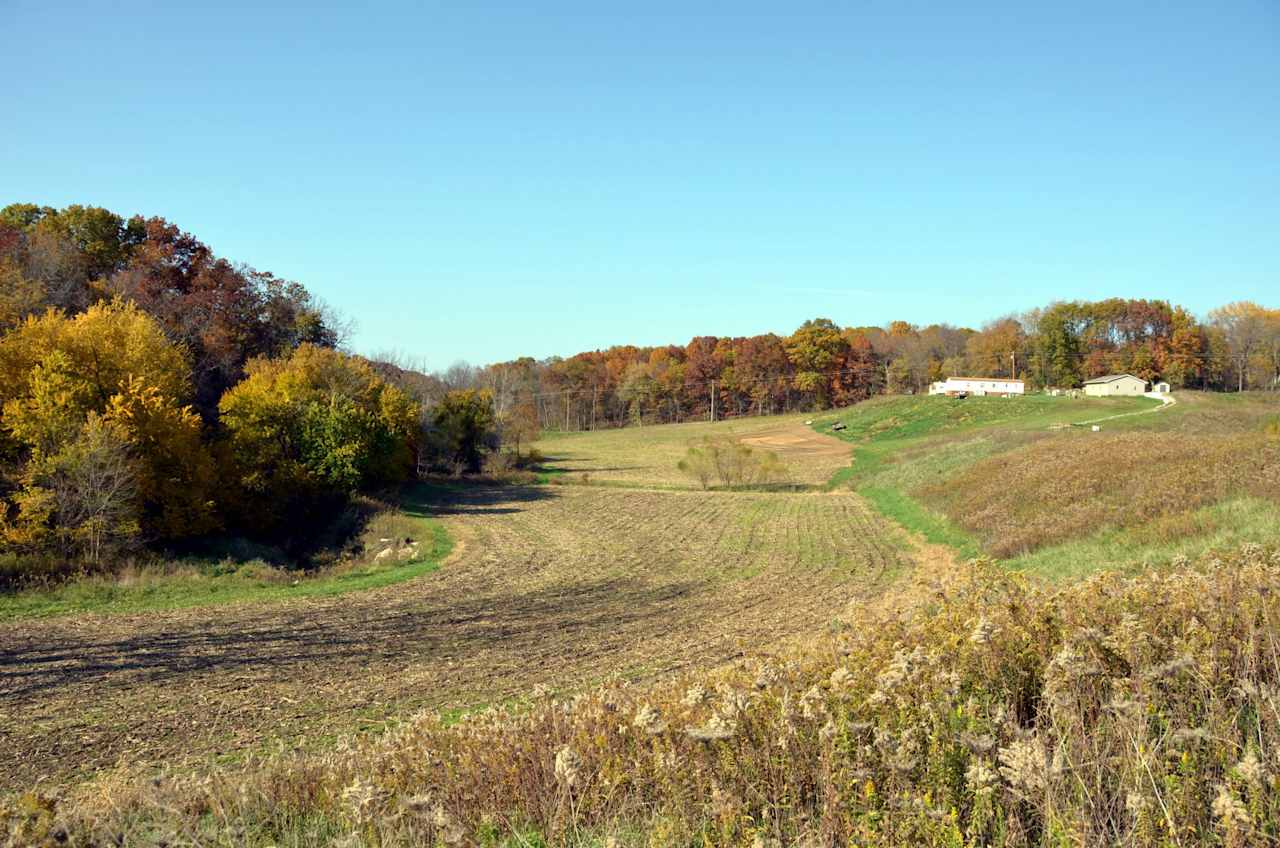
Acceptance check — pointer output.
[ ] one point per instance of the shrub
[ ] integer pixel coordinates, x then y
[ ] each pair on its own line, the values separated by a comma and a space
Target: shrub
530, 460
698, 464
499, 462
731, 463
18, 570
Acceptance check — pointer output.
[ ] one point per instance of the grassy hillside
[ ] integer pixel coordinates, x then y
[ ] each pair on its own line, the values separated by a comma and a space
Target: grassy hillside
1013, 478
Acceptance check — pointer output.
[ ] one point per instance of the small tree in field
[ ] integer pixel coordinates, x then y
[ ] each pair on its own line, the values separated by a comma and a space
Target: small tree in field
520, 424
731, 463
699, 465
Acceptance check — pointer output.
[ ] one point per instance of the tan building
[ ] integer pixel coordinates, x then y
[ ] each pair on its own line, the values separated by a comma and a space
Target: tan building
1115, 385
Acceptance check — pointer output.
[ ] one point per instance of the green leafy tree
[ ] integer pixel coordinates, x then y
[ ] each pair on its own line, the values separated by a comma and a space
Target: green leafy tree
1057, 347
309, 431
464, 429
103, 238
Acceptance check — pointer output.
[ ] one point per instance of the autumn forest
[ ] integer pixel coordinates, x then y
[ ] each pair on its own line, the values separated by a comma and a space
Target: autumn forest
155, 393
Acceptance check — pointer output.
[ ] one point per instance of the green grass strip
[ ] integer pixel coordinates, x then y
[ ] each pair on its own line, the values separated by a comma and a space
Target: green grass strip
917, 518
200, 586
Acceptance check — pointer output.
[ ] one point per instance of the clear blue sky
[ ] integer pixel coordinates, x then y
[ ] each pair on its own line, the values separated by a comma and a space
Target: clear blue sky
479, 181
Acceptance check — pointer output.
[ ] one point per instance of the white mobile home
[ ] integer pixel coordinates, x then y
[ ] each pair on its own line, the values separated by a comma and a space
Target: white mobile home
1115, 385
977, 386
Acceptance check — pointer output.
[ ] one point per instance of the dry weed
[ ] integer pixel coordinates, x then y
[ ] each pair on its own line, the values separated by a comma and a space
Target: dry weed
984, 710
1058, 489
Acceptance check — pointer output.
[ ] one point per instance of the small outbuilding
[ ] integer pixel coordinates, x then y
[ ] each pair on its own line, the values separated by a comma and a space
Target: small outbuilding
1160, 388
1115, 385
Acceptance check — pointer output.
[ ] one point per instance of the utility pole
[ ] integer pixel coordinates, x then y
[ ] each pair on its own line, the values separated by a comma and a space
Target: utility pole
594, 391
713, 400
1013, 373
566, 410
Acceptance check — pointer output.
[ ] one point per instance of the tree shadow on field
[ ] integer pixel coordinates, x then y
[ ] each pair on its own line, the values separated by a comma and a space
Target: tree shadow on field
600, 469
301, 644
554, 463
472, 497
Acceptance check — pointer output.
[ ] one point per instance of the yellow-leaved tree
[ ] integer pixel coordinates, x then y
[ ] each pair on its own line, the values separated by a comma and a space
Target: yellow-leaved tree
176, 477
19, 295
308, 431
95, 408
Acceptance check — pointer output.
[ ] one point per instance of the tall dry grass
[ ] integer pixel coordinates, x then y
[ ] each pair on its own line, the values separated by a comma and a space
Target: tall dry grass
973, 709
1056, 490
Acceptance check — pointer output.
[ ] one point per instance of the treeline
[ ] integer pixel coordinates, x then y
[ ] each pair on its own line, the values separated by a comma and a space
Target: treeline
822, 364
154, 393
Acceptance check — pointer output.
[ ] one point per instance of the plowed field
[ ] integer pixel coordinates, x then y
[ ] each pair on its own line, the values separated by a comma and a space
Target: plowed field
554, 585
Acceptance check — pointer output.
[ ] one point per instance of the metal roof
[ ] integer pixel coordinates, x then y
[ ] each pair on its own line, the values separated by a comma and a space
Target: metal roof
1111, 378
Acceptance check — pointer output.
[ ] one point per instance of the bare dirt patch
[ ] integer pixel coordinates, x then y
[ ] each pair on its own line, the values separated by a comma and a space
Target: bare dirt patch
554, 585
796, 442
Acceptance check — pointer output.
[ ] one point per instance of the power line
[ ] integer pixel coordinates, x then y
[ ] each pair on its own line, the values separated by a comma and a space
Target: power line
1032, 360
697, 385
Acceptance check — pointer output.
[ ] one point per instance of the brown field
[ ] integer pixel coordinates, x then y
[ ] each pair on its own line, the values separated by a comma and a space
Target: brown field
560, 586
647, 456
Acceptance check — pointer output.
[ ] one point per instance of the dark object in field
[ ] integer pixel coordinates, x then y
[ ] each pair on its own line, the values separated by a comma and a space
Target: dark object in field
839, 425
960, 395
